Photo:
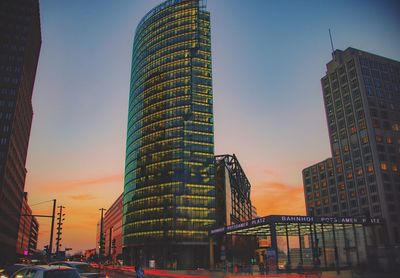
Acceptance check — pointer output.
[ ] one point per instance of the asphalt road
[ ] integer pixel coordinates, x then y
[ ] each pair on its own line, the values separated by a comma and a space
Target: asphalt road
118, 274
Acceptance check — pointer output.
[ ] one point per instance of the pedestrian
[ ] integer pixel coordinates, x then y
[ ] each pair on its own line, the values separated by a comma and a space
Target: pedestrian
139, 271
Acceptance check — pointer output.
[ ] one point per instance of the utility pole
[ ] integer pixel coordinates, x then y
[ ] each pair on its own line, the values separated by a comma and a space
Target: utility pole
52, 230
101, 245
59, 228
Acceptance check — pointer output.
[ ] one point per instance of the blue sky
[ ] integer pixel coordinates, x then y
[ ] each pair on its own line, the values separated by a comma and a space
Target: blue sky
268, 58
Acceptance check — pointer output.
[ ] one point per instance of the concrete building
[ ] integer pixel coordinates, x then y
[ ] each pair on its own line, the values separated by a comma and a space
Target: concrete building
362, 103
28, 230
169, 192
20, 41
113, 230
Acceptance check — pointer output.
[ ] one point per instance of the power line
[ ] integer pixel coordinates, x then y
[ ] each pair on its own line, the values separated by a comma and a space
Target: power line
41, 203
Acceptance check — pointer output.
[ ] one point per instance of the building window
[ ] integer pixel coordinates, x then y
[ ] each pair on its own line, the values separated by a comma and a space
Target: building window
384, 166
375, 123
375, 198
372, 188
363, 201
376, 209
365, 139
371, 179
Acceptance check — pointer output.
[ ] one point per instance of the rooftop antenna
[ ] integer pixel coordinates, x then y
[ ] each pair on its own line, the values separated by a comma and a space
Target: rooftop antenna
330, 36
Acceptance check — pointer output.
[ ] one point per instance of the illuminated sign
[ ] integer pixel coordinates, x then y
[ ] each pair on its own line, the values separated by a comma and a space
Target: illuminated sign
266, 220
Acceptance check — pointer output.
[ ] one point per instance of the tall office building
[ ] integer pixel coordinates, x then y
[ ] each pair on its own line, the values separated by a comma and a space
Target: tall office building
362, 103
20, 41
169, 193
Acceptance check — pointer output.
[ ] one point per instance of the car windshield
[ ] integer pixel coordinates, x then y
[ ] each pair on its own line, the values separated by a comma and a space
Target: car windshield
13, 268
84, 268
61, 273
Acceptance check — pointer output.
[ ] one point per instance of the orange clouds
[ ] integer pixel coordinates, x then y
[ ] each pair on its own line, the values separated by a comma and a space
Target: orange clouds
278, 198
75, 184
82, 197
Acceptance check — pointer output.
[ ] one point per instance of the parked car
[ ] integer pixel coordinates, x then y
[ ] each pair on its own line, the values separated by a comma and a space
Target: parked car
84, 269
46, 271
9, 270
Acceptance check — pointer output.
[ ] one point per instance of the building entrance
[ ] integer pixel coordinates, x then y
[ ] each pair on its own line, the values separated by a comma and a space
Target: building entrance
291, 242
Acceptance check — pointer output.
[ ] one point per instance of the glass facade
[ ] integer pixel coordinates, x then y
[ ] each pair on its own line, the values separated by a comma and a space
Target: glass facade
323, 242
169, 193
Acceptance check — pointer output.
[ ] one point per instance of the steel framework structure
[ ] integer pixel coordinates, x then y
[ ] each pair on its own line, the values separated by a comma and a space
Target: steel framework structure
239, 183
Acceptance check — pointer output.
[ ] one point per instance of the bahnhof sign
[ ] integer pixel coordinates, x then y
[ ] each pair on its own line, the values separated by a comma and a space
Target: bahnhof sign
300, 241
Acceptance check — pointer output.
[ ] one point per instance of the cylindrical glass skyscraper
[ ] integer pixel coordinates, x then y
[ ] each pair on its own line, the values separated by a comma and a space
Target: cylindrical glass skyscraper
169, 193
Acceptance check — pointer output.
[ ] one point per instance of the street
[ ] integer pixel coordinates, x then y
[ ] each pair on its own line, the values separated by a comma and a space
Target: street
119, 274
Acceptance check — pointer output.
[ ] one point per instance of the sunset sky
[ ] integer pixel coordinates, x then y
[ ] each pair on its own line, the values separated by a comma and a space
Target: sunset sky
268, 58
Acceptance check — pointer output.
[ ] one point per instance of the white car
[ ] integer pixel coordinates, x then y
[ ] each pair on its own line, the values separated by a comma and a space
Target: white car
46, 271
84, 269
